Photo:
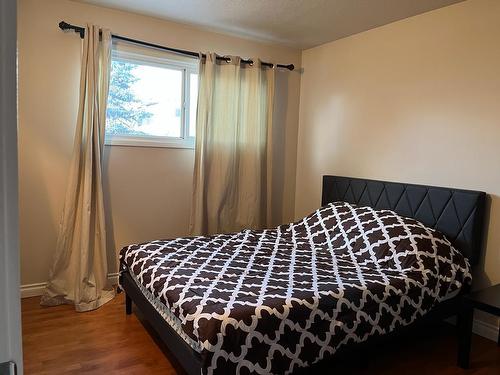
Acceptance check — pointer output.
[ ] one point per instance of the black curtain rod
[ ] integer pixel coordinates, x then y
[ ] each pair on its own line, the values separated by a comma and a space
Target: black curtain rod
81, 30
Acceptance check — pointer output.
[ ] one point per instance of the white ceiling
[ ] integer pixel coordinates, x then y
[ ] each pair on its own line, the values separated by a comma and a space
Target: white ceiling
296, 23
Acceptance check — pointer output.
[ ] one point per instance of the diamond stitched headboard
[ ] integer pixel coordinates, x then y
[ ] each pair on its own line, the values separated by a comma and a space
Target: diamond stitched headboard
459, 214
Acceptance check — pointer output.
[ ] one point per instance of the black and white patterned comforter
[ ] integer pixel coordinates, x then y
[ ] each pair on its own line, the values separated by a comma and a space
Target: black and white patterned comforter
274, 300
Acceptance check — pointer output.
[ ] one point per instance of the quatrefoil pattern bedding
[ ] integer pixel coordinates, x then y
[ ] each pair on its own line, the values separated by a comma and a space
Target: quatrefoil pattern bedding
274, 300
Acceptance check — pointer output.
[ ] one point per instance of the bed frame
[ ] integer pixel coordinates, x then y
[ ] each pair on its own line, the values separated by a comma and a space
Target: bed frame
459, 214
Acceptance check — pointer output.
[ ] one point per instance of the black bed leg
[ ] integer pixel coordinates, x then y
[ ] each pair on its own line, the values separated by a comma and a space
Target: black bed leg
128, 304
465, 334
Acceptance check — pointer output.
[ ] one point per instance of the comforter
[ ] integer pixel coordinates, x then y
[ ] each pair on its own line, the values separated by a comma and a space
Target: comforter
270, 301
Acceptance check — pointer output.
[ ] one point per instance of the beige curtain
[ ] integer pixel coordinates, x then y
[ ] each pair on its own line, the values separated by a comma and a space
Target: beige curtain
232, 176
79, 272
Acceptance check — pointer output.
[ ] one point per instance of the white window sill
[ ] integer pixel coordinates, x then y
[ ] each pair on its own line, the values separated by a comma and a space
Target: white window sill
137, 141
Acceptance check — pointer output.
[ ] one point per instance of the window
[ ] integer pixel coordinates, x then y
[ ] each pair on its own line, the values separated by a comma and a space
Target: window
152, 100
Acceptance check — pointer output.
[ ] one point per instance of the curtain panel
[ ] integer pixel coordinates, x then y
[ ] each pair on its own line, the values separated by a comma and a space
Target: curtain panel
232, 175
79, 271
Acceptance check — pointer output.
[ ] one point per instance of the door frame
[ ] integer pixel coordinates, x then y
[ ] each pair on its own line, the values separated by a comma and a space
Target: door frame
10, 309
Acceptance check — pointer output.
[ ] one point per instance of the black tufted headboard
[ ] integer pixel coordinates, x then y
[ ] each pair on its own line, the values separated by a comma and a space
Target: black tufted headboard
459, 214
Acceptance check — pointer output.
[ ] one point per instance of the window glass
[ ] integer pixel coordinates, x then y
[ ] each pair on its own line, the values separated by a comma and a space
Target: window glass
144, 100
152, 98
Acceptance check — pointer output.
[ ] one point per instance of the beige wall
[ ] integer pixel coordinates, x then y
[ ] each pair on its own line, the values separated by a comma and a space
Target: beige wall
148, 189
414, 101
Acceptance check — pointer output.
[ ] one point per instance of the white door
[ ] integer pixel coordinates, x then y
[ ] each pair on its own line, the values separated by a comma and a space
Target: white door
10, 318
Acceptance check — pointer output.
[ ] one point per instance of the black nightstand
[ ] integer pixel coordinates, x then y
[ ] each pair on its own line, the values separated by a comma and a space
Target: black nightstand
487, 300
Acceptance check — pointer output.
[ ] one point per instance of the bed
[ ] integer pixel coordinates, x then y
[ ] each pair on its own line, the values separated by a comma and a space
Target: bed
375, 258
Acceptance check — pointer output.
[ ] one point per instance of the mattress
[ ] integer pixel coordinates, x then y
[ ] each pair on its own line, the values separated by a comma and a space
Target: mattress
274, 300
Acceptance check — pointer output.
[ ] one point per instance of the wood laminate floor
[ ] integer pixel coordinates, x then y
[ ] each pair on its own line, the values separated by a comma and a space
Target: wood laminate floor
57, 340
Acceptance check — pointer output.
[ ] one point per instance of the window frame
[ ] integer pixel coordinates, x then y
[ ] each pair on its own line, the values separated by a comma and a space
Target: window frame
187, 68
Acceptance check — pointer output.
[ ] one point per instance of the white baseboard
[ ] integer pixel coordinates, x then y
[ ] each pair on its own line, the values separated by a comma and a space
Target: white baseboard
32, 290
35, 290
480, 327
113, 278
485, 329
